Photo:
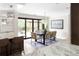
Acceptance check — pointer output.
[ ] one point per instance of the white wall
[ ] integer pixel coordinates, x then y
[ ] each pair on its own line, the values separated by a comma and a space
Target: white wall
65, 32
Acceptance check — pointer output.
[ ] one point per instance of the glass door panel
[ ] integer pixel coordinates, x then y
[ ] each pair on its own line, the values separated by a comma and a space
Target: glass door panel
28, 28
21, 27
35, 25
40, 25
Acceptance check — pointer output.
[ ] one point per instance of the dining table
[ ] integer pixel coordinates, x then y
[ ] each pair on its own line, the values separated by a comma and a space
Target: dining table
41, 33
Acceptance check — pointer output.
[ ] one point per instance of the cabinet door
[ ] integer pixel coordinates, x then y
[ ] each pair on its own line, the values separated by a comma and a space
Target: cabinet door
75, 23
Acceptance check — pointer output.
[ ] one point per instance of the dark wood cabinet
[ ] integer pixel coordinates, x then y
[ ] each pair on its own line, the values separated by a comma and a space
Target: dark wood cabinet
75, 23
11, 46
4, 45
17, 45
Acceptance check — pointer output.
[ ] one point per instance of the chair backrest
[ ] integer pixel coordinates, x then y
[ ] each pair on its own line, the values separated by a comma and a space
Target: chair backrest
53, 33
47, 35
50, 34
33, 35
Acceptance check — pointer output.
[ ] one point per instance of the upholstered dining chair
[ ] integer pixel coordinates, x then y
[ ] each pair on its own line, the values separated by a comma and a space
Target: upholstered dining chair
53, 35
34, 37
47, 35
50, 35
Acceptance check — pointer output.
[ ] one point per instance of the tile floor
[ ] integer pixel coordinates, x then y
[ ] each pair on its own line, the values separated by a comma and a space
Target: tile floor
58, 48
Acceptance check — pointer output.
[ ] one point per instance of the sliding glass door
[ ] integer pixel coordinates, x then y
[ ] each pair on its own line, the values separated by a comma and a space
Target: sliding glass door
26, 26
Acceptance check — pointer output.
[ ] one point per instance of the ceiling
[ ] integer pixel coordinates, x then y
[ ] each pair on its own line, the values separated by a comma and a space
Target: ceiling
39, 8
44, 8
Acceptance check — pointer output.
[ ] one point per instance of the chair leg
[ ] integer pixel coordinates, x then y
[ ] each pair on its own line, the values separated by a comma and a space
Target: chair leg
31, 41
54, 38
41, 38
35, 42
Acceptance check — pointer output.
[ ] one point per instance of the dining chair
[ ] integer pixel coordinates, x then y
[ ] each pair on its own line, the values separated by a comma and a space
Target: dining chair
53, 35
47, 35
33, 36
50, 36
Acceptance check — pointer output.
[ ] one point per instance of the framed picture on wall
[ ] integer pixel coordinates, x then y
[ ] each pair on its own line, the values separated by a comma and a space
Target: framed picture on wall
57, 24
